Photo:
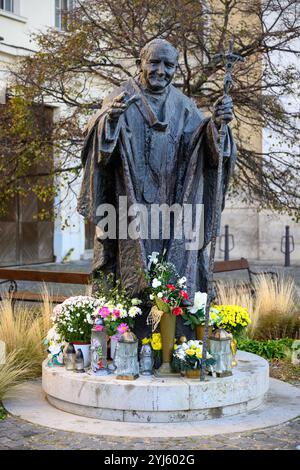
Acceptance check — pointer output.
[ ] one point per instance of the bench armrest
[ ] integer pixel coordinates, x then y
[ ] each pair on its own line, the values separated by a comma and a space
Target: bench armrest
272, 274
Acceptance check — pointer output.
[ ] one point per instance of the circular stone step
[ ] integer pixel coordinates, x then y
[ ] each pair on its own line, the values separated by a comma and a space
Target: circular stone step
158, 400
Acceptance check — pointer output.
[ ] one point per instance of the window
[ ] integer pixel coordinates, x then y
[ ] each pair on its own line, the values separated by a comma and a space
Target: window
7, 5
62, 7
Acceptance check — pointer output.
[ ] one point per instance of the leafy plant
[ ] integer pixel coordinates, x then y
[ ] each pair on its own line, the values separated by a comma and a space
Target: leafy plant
269, 349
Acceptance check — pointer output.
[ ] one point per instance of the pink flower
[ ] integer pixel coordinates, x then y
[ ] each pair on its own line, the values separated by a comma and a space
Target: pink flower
164, 299
104, 312
116, 313
99, 328
122, 328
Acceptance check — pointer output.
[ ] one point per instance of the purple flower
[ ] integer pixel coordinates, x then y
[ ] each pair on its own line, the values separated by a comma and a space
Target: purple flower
122, 328
104, 312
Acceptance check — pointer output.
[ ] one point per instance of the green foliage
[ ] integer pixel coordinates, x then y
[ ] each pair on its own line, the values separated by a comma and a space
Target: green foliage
26, 162
3, 413
111, 289
269, 349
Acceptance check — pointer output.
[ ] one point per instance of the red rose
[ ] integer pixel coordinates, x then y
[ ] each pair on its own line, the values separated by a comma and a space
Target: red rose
184, 294
177, 311
170, 286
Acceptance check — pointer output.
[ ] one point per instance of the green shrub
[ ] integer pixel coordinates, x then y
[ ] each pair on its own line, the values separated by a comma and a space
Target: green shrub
269, 349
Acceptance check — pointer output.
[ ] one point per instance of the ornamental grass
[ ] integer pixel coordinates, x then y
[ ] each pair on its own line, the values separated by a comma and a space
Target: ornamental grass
274, 307
23, 330
279, 308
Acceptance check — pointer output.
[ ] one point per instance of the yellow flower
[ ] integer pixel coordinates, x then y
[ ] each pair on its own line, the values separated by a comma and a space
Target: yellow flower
156, 345
190, 352
156, 337
146, 340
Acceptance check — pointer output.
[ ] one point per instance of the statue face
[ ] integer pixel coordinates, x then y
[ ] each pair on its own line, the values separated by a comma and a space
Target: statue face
158, 67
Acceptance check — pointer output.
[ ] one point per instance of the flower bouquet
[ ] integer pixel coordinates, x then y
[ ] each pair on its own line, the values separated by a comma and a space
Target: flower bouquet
167, 290
117, 308
73, 318
232, 318
187, 358
194, 316
117, 318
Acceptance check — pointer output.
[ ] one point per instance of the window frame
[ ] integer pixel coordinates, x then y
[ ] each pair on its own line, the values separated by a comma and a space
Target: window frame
4, 7
62, 6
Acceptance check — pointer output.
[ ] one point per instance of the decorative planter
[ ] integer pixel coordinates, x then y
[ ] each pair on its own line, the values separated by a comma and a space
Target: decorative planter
86, 351
167, 331
193, 374
199, 330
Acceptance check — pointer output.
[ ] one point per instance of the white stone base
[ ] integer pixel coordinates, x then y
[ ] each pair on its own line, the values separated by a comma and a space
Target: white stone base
159, 400
281, 404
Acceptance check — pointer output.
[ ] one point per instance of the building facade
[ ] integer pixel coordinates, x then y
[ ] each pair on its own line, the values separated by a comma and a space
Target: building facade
257, 235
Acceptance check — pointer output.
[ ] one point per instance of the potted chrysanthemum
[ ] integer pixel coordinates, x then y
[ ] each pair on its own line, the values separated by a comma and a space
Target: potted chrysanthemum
73, 321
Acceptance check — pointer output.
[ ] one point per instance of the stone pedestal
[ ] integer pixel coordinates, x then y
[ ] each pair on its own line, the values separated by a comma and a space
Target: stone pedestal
158, 400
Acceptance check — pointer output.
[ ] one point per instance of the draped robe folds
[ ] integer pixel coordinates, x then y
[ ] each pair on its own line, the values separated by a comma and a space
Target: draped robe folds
160, 151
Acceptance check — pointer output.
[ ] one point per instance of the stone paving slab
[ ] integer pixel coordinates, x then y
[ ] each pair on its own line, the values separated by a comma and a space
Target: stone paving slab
282, 405
16, 434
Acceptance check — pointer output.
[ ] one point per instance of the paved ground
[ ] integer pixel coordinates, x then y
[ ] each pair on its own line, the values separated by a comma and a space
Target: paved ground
16, 434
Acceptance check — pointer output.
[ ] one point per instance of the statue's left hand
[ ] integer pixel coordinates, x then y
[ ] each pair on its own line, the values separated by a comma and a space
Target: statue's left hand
223, 110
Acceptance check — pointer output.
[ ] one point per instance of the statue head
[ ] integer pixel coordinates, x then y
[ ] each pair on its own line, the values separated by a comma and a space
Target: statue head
158, 62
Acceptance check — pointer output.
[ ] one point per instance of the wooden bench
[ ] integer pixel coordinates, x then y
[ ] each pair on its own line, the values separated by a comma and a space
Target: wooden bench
12, 275
238, 265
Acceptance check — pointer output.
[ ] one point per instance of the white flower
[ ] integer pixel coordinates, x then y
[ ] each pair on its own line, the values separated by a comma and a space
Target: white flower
156, 283
153, 259
182, 281
151, 297
134, 311
160, 295
136, 302
200, 300
53, 336
55, 348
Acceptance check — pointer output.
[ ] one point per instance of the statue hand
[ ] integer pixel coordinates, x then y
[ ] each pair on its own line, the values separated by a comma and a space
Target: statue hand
223, 110
119, 105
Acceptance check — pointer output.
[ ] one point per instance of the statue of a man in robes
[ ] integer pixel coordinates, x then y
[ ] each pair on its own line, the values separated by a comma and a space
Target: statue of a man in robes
151, 145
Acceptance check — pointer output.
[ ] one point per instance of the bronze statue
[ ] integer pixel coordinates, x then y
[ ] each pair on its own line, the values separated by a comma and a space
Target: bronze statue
151, 143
